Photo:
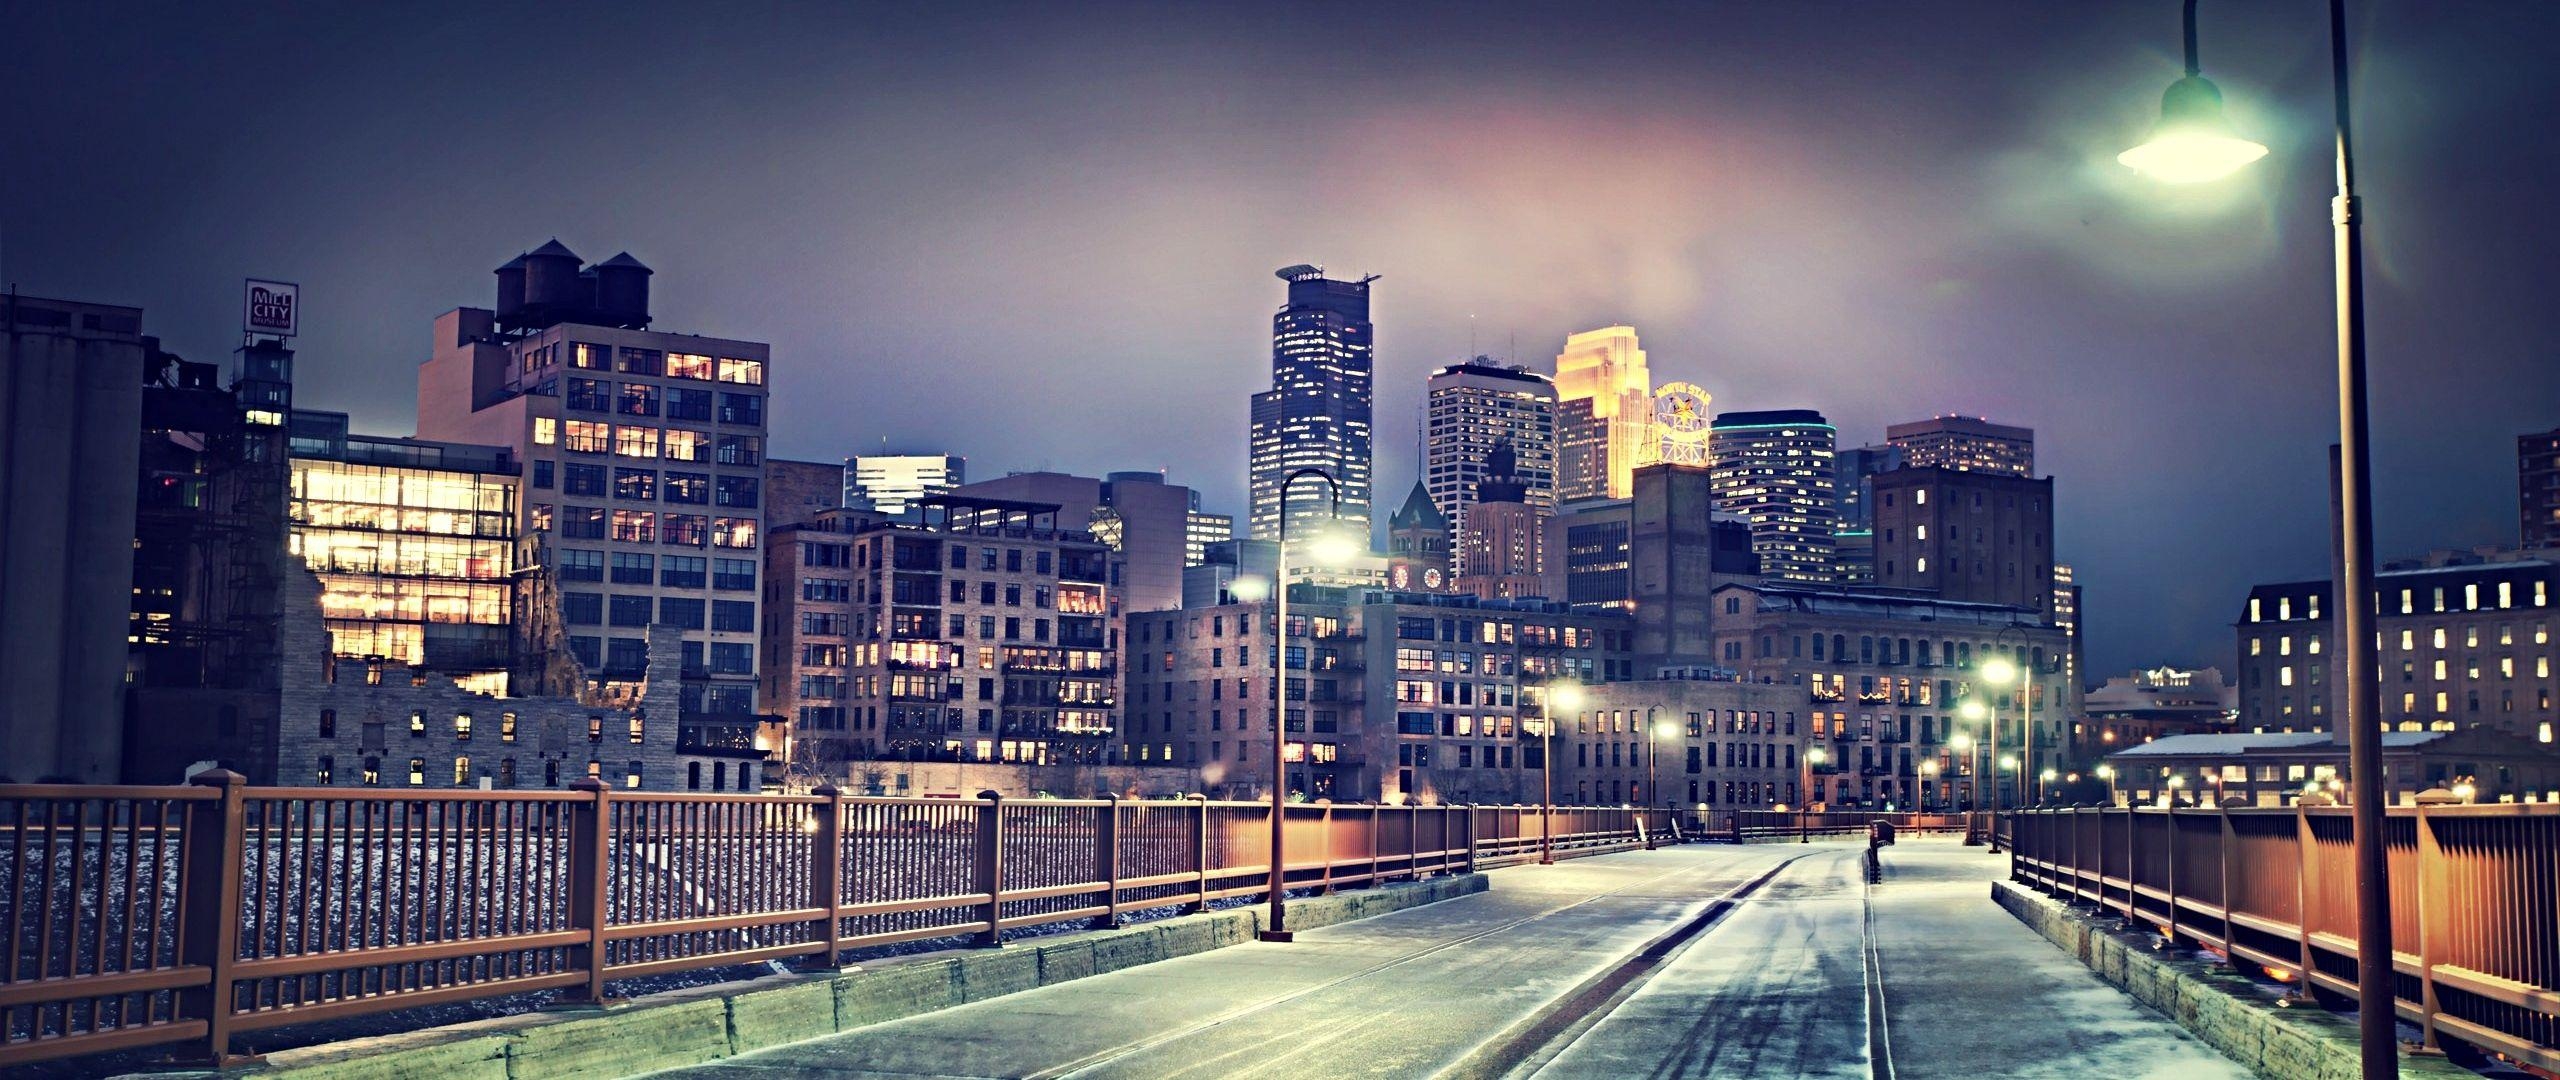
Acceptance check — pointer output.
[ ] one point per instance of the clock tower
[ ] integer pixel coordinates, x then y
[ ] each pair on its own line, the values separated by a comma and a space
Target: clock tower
1418, 545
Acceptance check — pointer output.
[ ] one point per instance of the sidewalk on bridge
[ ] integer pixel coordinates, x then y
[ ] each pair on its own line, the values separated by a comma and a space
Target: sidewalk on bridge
1398, 994
1970, 989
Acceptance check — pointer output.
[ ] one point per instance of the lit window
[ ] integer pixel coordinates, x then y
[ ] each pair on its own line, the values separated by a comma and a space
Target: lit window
1920, 565
461, 772
546, 431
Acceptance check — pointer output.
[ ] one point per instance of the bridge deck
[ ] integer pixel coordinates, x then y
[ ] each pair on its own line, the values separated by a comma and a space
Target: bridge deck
1616, 966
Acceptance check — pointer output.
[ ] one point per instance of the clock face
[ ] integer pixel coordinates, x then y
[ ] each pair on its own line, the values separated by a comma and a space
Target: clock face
1401, 577
1431, 578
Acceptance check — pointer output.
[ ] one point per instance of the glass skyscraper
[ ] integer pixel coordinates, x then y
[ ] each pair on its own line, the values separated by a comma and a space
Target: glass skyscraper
1317, 410
1774, 469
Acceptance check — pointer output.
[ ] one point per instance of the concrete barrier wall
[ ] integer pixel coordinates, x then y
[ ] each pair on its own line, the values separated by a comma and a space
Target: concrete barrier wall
2222, 1007
701, 1024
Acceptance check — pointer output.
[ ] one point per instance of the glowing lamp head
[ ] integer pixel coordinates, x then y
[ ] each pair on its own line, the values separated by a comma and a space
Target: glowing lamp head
2177, 781
1973, 710
1817, 755
1959, 742
2047, 776
1998, 671
1566, 697
1250, 588
1928, 768
2194, 142
1332, 548
2106, 770
1666, 729
2008, 761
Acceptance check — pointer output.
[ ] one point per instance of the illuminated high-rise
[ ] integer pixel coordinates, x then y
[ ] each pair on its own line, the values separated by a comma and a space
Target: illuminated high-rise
1604, 413
892, 484
1774, 470
1470, 409
1316, 414
1965, 444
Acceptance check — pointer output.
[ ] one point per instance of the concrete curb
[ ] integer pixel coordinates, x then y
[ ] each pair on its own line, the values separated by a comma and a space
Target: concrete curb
706, 1023
2220, 1007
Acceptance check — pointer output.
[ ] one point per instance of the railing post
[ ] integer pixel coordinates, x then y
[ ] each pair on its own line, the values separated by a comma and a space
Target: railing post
209, 927
990, 879
826, 873
1107, 849
590, 820
1200, 853
1324, 829
1471, 811
2435, 911
2306, 898
2169, 863
2230, 840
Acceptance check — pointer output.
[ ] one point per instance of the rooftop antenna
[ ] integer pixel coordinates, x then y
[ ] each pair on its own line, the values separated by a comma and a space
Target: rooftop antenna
1471, 336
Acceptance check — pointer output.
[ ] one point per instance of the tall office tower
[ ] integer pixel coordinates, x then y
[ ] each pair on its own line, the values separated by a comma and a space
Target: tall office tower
1774, 470
1604, 413
1502, 547
644, 461
1316, 414
892, 484
2066, 614
1977, 537
71, 403
1145, 521
1856, 554
2538, 488
1204, 529
1471, 408
1965, 444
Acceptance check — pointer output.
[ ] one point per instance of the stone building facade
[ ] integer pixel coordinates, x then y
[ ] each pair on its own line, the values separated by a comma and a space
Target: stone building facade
346, 722
1723, 744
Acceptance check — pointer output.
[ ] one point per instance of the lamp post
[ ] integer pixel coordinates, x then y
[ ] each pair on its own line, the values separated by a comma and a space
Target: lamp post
2194, 142
2046, 777
1973, 709
1813, 755
2107, 773
2175, 784
1327, 549
1569, 696
1928, 783
1653, 758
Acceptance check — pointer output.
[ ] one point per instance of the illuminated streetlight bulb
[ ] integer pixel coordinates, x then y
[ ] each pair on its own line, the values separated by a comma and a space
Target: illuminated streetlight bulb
1667, 729
1973, 710
2008, 761
2047, 776
2193, 142
1565, 696
1960, 742
1250, 588
2107, 771
1998, 671
1332, 548
1817, 755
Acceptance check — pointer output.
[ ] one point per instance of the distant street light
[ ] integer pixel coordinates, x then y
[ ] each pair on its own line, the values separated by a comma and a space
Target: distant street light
1813, 755
2107, 773
1568, 696
2194, 142
1328, 548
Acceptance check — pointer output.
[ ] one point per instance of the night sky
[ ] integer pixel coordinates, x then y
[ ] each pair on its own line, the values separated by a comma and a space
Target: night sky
1044, 237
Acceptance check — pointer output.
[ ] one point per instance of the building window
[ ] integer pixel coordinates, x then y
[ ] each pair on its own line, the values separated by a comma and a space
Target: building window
636, 442
631, 610
461, 772
417, 772
328, 723
637, 399
462, 727
636, 485
738, 615
328, 768
742, 372
507, 728
373, 772
639, 731
632, 779
546, 431
733, 532
688, 404
586, 437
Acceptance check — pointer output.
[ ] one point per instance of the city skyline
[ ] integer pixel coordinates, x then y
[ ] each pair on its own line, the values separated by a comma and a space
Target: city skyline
2196, 355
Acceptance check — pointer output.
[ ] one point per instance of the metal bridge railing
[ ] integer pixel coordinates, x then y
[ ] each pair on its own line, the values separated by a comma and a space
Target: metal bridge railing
2475, 901
188, 915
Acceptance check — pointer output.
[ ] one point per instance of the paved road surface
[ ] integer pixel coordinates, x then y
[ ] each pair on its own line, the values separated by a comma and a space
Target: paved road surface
1699, 961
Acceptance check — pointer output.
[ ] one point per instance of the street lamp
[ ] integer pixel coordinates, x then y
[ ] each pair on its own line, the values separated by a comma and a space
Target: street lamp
2194, 143
1928, 783
1569, 696
1813, 755
2171, 796
2043, 778
1654, 733
2107, 773
1328, 548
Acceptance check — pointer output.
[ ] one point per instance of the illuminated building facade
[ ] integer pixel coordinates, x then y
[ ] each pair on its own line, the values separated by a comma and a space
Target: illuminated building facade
1981, 537
982, 633
1202, 529
1502, 547
1471, 408
1393, 696
2538, 488
642, 501
1317, 412
1774, 471
1729, 744
1604, 413
1855, 550
1965, 444
892, 484
1884, 675
2467, 641
414, 545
